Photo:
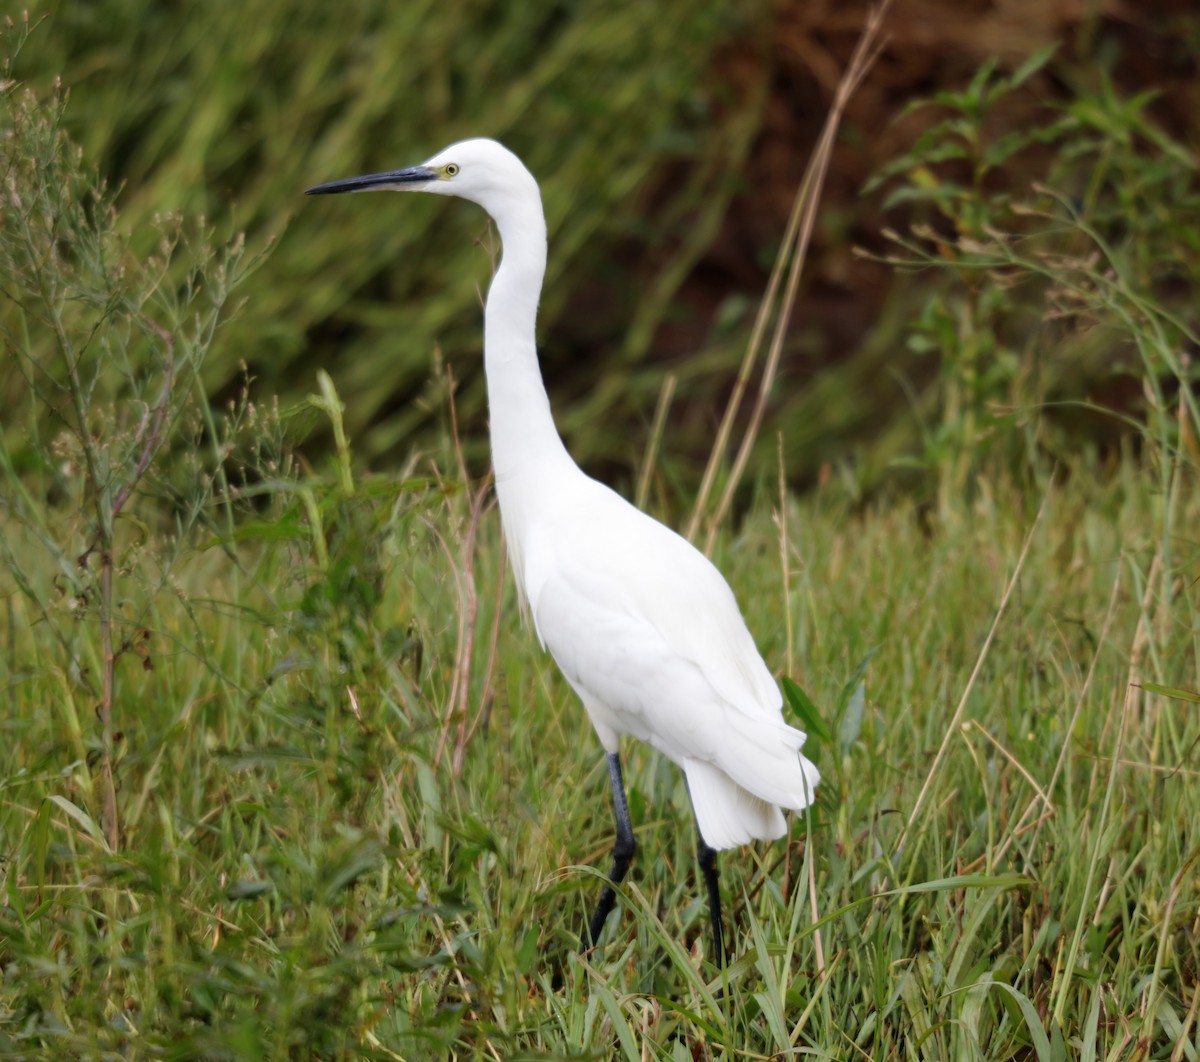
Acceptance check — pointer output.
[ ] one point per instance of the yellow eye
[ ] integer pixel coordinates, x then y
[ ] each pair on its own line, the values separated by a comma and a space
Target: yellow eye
451, 169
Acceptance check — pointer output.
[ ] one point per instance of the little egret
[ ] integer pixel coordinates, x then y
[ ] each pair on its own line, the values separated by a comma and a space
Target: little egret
642, 626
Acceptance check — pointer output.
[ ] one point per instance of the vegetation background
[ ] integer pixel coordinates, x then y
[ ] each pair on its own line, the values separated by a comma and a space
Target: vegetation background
283, 775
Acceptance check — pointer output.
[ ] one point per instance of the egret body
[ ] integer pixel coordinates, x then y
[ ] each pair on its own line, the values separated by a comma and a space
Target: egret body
641, 624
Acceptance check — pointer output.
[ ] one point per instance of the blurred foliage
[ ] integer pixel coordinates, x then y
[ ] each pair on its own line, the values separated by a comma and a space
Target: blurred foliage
667, 139
1088, 271
211, 109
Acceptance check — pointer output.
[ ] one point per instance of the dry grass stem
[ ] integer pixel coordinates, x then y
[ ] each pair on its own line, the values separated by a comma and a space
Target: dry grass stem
792, 252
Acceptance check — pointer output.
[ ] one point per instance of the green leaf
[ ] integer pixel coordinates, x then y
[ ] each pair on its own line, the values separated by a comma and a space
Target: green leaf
360, 857
37, 845
976, 93
860, 673
90, 826
249, 889
804, 709
960, 881
1176, 693
943, 194
1037, 1033
852, 718
1004, 147
1032, 65
620, 1024
527, 954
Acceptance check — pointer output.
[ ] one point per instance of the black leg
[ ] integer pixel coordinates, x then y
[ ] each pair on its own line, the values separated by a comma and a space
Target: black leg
708, 867
707, 858
623, 849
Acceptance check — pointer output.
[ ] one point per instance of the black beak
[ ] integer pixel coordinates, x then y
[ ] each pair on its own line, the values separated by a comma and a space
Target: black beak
397, 179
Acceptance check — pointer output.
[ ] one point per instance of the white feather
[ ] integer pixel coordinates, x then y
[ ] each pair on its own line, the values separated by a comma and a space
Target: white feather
649, 634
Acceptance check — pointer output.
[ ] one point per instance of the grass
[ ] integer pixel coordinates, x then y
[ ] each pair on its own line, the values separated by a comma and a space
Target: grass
299, 874
284, 772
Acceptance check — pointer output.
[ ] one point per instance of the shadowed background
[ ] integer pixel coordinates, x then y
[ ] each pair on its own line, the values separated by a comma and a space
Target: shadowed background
668, 139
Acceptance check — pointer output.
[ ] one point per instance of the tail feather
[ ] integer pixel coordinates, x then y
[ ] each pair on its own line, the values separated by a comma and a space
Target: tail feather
726, 814
760, 769
767, 761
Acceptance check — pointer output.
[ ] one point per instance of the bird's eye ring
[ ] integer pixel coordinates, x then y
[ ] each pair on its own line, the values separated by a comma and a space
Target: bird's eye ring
451, 169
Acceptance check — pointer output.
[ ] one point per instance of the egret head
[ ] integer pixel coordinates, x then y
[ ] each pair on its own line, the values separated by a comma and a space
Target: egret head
481, 170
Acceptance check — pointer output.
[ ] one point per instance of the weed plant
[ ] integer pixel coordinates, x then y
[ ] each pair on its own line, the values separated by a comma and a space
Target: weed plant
354, 812
1053, 290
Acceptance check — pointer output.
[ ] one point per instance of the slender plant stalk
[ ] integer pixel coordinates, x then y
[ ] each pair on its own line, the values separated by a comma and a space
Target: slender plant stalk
108, 782
1026, 820
716, 456
793, 249
784, 567
650, 458
458, 703
460, 698
956, 718
489, 671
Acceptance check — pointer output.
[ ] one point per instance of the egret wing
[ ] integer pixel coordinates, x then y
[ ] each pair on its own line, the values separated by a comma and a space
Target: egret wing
621, 600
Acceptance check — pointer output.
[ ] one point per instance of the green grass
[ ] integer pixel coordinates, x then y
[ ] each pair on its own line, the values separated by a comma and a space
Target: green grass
298, 873
284, 773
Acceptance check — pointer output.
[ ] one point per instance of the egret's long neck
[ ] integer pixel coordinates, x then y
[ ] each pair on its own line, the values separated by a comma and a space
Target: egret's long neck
525, 444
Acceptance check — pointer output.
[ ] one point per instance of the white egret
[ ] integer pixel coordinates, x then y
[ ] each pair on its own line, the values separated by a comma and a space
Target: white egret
641, 624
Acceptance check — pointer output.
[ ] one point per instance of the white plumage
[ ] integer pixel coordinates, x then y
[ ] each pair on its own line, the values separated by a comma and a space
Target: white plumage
649, 635
641, 624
